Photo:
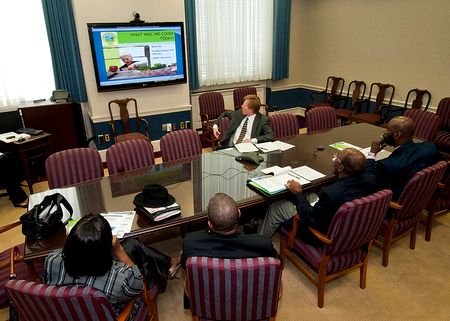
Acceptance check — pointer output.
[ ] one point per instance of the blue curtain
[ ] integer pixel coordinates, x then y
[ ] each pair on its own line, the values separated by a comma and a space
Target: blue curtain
281, 34
191, 36
64, 48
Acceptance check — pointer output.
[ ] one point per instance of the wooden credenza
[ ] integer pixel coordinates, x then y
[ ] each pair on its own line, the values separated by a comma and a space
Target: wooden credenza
63, 120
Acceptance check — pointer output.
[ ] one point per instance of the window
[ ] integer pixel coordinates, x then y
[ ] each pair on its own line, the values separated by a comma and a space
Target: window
234, 40
25, 60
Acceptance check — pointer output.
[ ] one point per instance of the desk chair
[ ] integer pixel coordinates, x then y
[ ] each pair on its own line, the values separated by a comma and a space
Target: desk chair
284, 125
211, 105
406, 211
180, 144
427, 123
72, 166
129, 155
345, 247
321, 118
233, 289
240, 93
442, 139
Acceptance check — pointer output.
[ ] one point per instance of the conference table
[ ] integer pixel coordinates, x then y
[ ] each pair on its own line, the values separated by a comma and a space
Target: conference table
194, 181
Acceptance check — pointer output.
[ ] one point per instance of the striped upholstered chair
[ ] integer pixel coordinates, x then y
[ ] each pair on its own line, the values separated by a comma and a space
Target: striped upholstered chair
73, 166
439, 203
20, 268
405, 214
346, 245
284, 125
321, 118
427, 123
129, 155
240, 93
180, 144
211, 105
36, 302
442, 139
233, 289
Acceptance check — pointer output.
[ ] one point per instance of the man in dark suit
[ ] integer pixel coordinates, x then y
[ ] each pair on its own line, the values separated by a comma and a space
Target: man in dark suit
407, 158
246, 125
223, 239
348, 165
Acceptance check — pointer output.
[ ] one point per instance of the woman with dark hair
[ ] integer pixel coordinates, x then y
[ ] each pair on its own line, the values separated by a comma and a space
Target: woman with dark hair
92, 256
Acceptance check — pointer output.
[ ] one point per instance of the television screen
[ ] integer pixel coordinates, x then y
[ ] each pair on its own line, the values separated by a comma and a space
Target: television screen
128, 55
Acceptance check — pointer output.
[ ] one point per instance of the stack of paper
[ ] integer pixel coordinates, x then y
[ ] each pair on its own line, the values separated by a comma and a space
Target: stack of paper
158, 214
120, 222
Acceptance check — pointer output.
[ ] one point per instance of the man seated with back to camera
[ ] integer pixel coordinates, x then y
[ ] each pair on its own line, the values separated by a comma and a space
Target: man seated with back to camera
93, 257
223, 238
247, 124
348, 165
408, 158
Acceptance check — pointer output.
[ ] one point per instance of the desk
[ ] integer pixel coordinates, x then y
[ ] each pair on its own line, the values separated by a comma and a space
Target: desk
193, 182
36, 148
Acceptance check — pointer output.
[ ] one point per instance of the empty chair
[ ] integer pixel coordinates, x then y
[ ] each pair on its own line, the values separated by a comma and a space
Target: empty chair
442, 139
73, 166
427, 123
405, 214
284, 125
321, 118
180, 144
36, 302
416, 98
129, 155
233, 289
140, 128
211, 106
357, 88
240, 93
383, 102
345, 247
332, 93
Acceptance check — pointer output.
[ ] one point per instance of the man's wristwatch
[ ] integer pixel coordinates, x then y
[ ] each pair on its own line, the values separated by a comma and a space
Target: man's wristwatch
371, 154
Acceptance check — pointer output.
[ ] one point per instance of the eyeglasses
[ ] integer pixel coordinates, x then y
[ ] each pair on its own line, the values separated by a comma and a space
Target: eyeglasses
335, 157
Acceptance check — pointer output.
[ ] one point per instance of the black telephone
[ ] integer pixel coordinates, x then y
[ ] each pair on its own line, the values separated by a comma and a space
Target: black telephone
60, 95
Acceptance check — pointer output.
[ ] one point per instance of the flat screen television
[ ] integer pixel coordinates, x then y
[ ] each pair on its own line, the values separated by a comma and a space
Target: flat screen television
130, 55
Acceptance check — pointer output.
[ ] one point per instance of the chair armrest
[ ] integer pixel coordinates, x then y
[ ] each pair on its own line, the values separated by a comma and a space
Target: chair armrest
9, 226
322, 92
126, 311
321, 237
145, 123
395, 205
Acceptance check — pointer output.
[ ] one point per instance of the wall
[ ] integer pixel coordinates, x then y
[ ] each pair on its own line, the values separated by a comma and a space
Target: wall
404, 43
151, 101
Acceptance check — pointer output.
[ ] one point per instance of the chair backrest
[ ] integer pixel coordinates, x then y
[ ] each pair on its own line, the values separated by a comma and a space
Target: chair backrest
212, 104
233, 289
355, 93
180, 144
427, 123
129, 155
336, 85
384, 95
443, 111
420, 95
72, 166
240, 93
284, 125
223, 124
36, 302
356, 222
418, 191
321, 118
124, 114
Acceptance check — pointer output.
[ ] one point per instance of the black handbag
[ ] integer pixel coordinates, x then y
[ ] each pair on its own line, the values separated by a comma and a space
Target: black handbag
45, 218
